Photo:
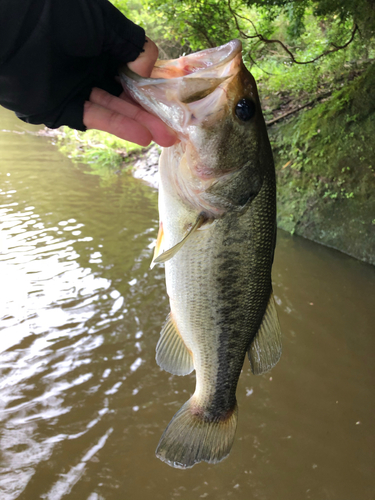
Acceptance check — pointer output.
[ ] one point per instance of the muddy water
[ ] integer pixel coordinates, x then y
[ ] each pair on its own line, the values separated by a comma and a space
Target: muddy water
82, 401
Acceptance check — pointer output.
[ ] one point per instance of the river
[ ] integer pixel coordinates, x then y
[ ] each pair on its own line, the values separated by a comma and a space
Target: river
83, 403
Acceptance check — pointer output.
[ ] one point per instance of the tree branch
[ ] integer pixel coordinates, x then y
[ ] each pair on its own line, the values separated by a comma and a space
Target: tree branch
291, 55
298, 108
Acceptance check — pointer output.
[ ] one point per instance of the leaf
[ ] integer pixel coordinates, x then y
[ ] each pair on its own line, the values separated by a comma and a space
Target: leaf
287, 164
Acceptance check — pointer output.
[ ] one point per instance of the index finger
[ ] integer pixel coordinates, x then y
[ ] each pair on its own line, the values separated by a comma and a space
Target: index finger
100, 118
160, 132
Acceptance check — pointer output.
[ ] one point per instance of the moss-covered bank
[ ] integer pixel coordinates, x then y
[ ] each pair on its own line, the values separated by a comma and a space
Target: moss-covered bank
325, 162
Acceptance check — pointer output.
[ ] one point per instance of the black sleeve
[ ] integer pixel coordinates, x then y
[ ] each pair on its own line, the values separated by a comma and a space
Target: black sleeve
53, 52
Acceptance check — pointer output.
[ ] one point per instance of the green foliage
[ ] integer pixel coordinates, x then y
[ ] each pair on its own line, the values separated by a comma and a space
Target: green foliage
361, 12
307, 28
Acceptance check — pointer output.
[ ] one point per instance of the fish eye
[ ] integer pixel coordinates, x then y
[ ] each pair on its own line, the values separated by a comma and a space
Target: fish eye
245, 109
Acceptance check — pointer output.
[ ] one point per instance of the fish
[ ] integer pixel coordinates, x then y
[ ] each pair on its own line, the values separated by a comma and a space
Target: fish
217, 235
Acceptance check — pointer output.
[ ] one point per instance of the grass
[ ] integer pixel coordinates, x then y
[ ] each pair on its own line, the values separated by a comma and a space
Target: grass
105, 153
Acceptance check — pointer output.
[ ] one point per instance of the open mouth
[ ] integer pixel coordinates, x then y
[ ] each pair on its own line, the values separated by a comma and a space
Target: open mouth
198, 75
209, 63
187, 90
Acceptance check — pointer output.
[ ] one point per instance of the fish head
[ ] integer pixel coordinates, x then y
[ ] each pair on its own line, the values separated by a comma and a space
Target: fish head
211, 100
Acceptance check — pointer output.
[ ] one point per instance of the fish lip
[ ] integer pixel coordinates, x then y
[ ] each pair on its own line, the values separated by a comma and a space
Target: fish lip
230, 50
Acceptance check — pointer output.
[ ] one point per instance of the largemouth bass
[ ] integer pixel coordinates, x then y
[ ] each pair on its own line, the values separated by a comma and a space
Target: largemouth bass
217, 207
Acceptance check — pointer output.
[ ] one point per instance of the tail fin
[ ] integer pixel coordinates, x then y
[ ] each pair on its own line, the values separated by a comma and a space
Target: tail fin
190, 438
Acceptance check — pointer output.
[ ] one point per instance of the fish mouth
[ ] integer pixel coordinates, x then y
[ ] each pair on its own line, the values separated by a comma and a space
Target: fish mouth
187, 91
209, 60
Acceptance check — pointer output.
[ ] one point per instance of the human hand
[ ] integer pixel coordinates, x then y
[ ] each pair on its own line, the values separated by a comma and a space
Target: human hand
123, 117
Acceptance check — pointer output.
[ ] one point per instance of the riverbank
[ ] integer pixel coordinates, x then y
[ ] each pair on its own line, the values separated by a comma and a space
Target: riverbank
325, 164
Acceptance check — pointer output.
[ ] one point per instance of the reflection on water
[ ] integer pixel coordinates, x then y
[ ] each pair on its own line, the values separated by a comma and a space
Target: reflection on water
82, 401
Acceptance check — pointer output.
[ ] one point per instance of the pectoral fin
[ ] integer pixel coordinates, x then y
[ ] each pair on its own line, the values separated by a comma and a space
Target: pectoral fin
171, 352
168, 254
265, 349
159, 243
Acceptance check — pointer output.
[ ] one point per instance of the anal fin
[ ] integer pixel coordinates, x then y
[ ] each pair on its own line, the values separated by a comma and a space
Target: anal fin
171, 352
265, 349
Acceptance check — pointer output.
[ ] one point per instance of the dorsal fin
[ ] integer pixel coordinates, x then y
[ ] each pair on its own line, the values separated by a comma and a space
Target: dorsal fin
168, 254
265, 349
171, 352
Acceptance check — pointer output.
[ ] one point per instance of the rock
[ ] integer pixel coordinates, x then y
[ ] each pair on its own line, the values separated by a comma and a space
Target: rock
146, 167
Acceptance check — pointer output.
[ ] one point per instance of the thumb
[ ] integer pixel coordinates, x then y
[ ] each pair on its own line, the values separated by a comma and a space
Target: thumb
145, 62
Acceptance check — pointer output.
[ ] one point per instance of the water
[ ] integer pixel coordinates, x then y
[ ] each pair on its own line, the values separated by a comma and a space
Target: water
83, 403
